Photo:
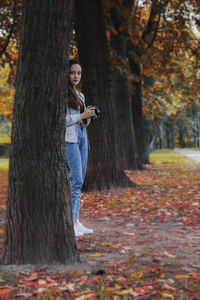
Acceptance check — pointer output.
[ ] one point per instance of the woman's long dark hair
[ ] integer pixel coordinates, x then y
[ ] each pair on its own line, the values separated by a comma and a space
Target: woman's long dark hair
74, 101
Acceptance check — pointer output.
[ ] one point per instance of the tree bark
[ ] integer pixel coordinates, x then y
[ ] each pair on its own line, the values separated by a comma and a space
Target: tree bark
126, 133
104, 167
181, 133
138, 120
147, 138
39, 226
167, 136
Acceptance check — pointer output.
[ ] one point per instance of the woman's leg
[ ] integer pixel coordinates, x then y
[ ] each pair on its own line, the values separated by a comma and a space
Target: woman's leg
84, 153
84, 157
76, 181
83, 147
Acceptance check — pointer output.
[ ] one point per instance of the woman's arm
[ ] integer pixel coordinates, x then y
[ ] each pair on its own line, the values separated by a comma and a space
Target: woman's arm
73, 119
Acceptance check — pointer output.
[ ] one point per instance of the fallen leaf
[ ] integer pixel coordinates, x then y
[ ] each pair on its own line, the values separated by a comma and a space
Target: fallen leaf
75, 272
85, 297
116, 245
5, 290
182, 276
169, 255
124, 292
95, 255
168, 287
113, 288
167, 296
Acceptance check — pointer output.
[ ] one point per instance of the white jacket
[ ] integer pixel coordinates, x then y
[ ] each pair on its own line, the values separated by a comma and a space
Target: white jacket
73, 121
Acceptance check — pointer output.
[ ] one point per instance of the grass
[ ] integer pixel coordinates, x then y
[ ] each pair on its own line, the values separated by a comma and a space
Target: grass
5, 139
4, 163
167, 156
193, 149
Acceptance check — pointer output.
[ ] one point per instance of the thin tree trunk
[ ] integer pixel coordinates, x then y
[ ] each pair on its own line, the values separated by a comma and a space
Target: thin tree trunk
167, 136
172, 137
147, 137
138, 120
104, 168
39, 226
181, 136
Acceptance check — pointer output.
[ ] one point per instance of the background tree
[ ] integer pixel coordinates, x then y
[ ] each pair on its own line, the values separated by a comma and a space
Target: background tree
39, 225
130, 35
117, 17
137, 49
104, 167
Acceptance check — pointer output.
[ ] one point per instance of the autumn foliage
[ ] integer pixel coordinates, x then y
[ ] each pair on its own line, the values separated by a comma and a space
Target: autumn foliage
165, 38
6, 93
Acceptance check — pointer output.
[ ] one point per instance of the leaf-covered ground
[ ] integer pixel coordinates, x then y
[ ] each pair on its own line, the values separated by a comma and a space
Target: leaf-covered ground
146, 241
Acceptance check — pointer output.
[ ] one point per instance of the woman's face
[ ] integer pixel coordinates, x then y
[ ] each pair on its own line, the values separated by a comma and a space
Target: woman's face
75, 74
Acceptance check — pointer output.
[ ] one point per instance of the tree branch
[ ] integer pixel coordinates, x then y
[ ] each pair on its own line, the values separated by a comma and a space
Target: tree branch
194, 52
154, 20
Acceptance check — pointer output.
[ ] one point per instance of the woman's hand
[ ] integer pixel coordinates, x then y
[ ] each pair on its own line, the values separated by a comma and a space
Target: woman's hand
88, 113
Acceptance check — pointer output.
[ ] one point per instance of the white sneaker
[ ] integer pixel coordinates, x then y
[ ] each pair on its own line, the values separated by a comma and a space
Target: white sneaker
77, 231
83, 229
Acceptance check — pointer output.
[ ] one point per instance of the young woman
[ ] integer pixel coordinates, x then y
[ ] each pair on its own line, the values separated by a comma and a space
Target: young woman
77, 119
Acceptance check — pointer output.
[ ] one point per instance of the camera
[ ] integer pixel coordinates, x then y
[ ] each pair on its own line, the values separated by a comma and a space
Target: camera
97, 110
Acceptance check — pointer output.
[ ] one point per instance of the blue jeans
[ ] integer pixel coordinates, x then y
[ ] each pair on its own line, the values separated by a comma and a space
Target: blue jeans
77, 154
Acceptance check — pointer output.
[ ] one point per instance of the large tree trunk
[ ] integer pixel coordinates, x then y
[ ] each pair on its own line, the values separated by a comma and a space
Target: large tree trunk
104, 168
39, 226
125, 129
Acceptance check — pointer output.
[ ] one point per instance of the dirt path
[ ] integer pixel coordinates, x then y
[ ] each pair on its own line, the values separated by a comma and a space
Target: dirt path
158, 242
194, 155
170, 241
